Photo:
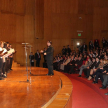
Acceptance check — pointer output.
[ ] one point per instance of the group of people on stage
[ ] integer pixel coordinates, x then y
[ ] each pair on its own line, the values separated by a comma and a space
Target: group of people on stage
48, 58
93, 63
37, 57
6, 58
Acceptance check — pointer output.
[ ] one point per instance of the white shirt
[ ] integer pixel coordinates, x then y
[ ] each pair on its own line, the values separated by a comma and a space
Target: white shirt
1, 49
5, 50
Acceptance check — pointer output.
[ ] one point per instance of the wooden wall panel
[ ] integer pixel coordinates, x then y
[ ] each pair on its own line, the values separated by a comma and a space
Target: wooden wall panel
20, 7
56, 6
19, 29
56, 20
8, 6
47, 19
39, 18
29, 28
30, 7
74, 6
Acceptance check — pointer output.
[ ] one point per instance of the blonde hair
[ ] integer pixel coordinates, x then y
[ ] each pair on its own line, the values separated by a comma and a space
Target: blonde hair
105, 61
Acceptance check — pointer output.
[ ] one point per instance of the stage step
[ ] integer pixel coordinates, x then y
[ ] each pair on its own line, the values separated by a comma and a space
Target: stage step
15, 64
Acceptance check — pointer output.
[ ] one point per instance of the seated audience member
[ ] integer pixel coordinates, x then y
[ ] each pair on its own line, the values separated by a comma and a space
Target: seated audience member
67, 67
105, 79
65, 63
55, 63
88, 63
91, 54
92, 66
77, 64
97, 63
59, 63
99, 71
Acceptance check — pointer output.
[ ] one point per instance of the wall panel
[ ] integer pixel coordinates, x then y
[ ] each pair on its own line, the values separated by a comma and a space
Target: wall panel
56, 20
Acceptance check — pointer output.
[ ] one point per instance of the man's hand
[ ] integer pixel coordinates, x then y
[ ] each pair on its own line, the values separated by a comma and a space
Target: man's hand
41, 51
104, 71
87, 67
45, 54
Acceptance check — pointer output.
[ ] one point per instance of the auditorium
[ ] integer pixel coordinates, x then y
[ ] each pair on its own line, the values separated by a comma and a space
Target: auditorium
54, 53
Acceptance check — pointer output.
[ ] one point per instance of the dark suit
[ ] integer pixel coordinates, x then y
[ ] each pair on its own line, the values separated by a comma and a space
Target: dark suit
37, 58
49, 59
31, 57
72, 67
84, 47
87, 71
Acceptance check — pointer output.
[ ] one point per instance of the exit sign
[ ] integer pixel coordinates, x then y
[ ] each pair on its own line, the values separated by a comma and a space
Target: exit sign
79, 34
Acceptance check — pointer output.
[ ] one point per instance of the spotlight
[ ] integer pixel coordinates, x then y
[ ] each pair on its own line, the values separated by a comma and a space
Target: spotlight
78, 43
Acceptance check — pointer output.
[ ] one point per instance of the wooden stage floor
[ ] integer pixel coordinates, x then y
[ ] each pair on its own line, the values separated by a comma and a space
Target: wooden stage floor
15, 92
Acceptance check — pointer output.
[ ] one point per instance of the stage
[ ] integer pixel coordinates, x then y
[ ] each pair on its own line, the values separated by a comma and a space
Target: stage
39, 92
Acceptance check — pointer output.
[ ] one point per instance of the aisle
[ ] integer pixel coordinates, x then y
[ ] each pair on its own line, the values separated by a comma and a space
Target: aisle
85, 96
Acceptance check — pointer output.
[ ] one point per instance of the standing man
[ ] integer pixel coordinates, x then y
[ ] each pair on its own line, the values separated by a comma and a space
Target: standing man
49, 57
37, 58
31, 57
84, 47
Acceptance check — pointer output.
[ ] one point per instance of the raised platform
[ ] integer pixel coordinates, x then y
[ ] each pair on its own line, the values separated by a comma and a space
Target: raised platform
40, 92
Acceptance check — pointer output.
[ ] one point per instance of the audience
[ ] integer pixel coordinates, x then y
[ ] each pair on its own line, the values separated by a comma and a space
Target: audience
93, 62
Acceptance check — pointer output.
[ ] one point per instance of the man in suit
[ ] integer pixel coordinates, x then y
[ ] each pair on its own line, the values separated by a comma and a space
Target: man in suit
44, 56
31, 57
89, 62
84, 47
77, 63
68, 50
49, 57
64, 51
37, 58
92, 66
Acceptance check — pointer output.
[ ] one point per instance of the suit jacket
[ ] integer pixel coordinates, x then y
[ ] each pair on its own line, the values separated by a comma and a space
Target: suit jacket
85, 47
31, 57
49, 53
37, 57
92, 65
89, 63
97, 64
80, 62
